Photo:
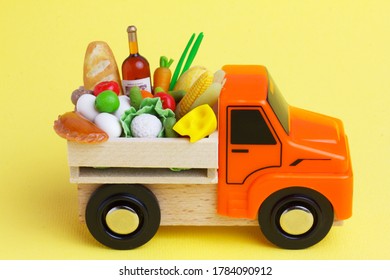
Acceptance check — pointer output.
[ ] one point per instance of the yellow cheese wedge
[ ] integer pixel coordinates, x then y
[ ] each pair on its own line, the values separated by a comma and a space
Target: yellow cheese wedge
197, 124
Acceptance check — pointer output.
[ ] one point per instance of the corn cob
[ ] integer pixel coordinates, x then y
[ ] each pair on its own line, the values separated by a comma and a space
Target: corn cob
201, 84
211, 94
189, 77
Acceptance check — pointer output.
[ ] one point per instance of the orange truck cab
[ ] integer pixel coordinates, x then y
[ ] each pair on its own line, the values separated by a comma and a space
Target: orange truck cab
279, 163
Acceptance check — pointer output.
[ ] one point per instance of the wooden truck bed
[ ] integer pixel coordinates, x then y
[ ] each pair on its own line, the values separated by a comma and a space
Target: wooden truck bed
186, 197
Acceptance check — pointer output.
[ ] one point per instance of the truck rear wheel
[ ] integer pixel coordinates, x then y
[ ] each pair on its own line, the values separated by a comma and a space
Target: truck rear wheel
295, 218
123, 216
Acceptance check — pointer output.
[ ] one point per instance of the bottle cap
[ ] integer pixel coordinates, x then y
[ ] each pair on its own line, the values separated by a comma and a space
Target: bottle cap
131, 29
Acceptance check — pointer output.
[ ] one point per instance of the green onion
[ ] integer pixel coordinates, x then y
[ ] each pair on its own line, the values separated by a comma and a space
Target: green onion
193, 52
180, 63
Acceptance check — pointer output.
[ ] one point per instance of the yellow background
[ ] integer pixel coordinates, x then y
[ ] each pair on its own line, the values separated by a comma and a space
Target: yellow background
326, 56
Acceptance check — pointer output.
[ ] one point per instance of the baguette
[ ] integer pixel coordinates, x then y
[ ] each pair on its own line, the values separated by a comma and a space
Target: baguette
99, 65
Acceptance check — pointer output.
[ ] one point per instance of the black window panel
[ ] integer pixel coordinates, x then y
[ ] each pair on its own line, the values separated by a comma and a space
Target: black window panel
249, 127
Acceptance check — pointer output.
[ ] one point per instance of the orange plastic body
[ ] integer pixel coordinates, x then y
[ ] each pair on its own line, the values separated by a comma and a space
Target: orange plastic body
266, 145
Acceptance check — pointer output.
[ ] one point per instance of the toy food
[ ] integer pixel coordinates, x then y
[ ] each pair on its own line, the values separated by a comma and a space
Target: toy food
168, 102
146, 94
109, 124
135, 97
162, 75
177, 94
178, 70
86, 106
151, 106
168, 127
107, 101
193, 52
73, 127
99, 65
146, 126
188, 78
107, 85
198, 123
79, 92
211, 94
201, 84
124, 104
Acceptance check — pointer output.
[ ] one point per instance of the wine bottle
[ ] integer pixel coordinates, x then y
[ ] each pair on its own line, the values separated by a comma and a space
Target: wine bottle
135, 68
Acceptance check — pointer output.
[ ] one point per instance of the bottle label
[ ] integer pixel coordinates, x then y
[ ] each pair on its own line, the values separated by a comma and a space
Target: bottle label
143, 84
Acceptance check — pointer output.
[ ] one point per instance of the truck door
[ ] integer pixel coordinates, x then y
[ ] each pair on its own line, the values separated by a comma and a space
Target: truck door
252, 143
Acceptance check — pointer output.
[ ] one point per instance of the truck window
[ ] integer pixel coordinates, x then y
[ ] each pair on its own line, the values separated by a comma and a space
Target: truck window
278, 104
249, 127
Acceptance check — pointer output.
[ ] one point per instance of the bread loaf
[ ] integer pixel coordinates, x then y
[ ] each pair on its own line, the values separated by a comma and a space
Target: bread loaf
99, 65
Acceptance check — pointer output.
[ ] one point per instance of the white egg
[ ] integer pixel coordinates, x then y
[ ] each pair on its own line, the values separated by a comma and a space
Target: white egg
86, 106
124, 104
109, 124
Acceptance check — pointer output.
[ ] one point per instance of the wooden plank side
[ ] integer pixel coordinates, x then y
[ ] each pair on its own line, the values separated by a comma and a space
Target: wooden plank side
90, 175
192, 205
142, 152
181, 205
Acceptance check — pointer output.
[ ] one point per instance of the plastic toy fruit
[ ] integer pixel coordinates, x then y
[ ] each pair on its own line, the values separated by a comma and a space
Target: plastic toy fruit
107, 102
106, 85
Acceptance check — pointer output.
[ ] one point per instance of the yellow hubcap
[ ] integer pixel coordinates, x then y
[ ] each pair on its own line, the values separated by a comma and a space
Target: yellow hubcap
296, 220
122, 220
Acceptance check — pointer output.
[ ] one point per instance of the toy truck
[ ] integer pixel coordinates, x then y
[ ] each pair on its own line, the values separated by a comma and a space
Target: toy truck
269, 164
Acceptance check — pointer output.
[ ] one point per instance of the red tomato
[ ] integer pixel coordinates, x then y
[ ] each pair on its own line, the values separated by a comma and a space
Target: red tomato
168, 102
106, 85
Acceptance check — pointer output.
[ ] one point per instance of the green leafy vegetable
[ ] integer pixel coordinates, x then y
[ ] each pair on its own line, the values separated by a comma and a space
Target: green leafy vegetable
148, 106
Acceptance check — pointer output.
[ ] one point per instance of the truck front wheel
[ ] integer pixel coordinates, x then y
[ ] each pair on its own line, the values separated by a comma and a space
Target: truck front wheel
123, 216
295, 218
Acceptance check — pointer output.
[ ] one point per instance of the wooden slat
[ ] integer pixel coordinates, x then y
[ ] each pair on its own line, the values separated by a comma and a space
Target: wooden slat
90, 175
142, 152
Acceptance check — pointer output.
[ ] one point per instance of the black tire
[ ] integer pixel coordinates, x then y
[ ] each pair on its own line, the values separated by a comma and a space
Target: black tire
279, 203
139, 199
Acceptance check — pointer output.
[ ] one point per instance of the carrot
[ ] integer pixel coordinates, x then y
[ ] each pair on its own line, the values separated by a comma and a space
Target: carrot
146, 94
162, 75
